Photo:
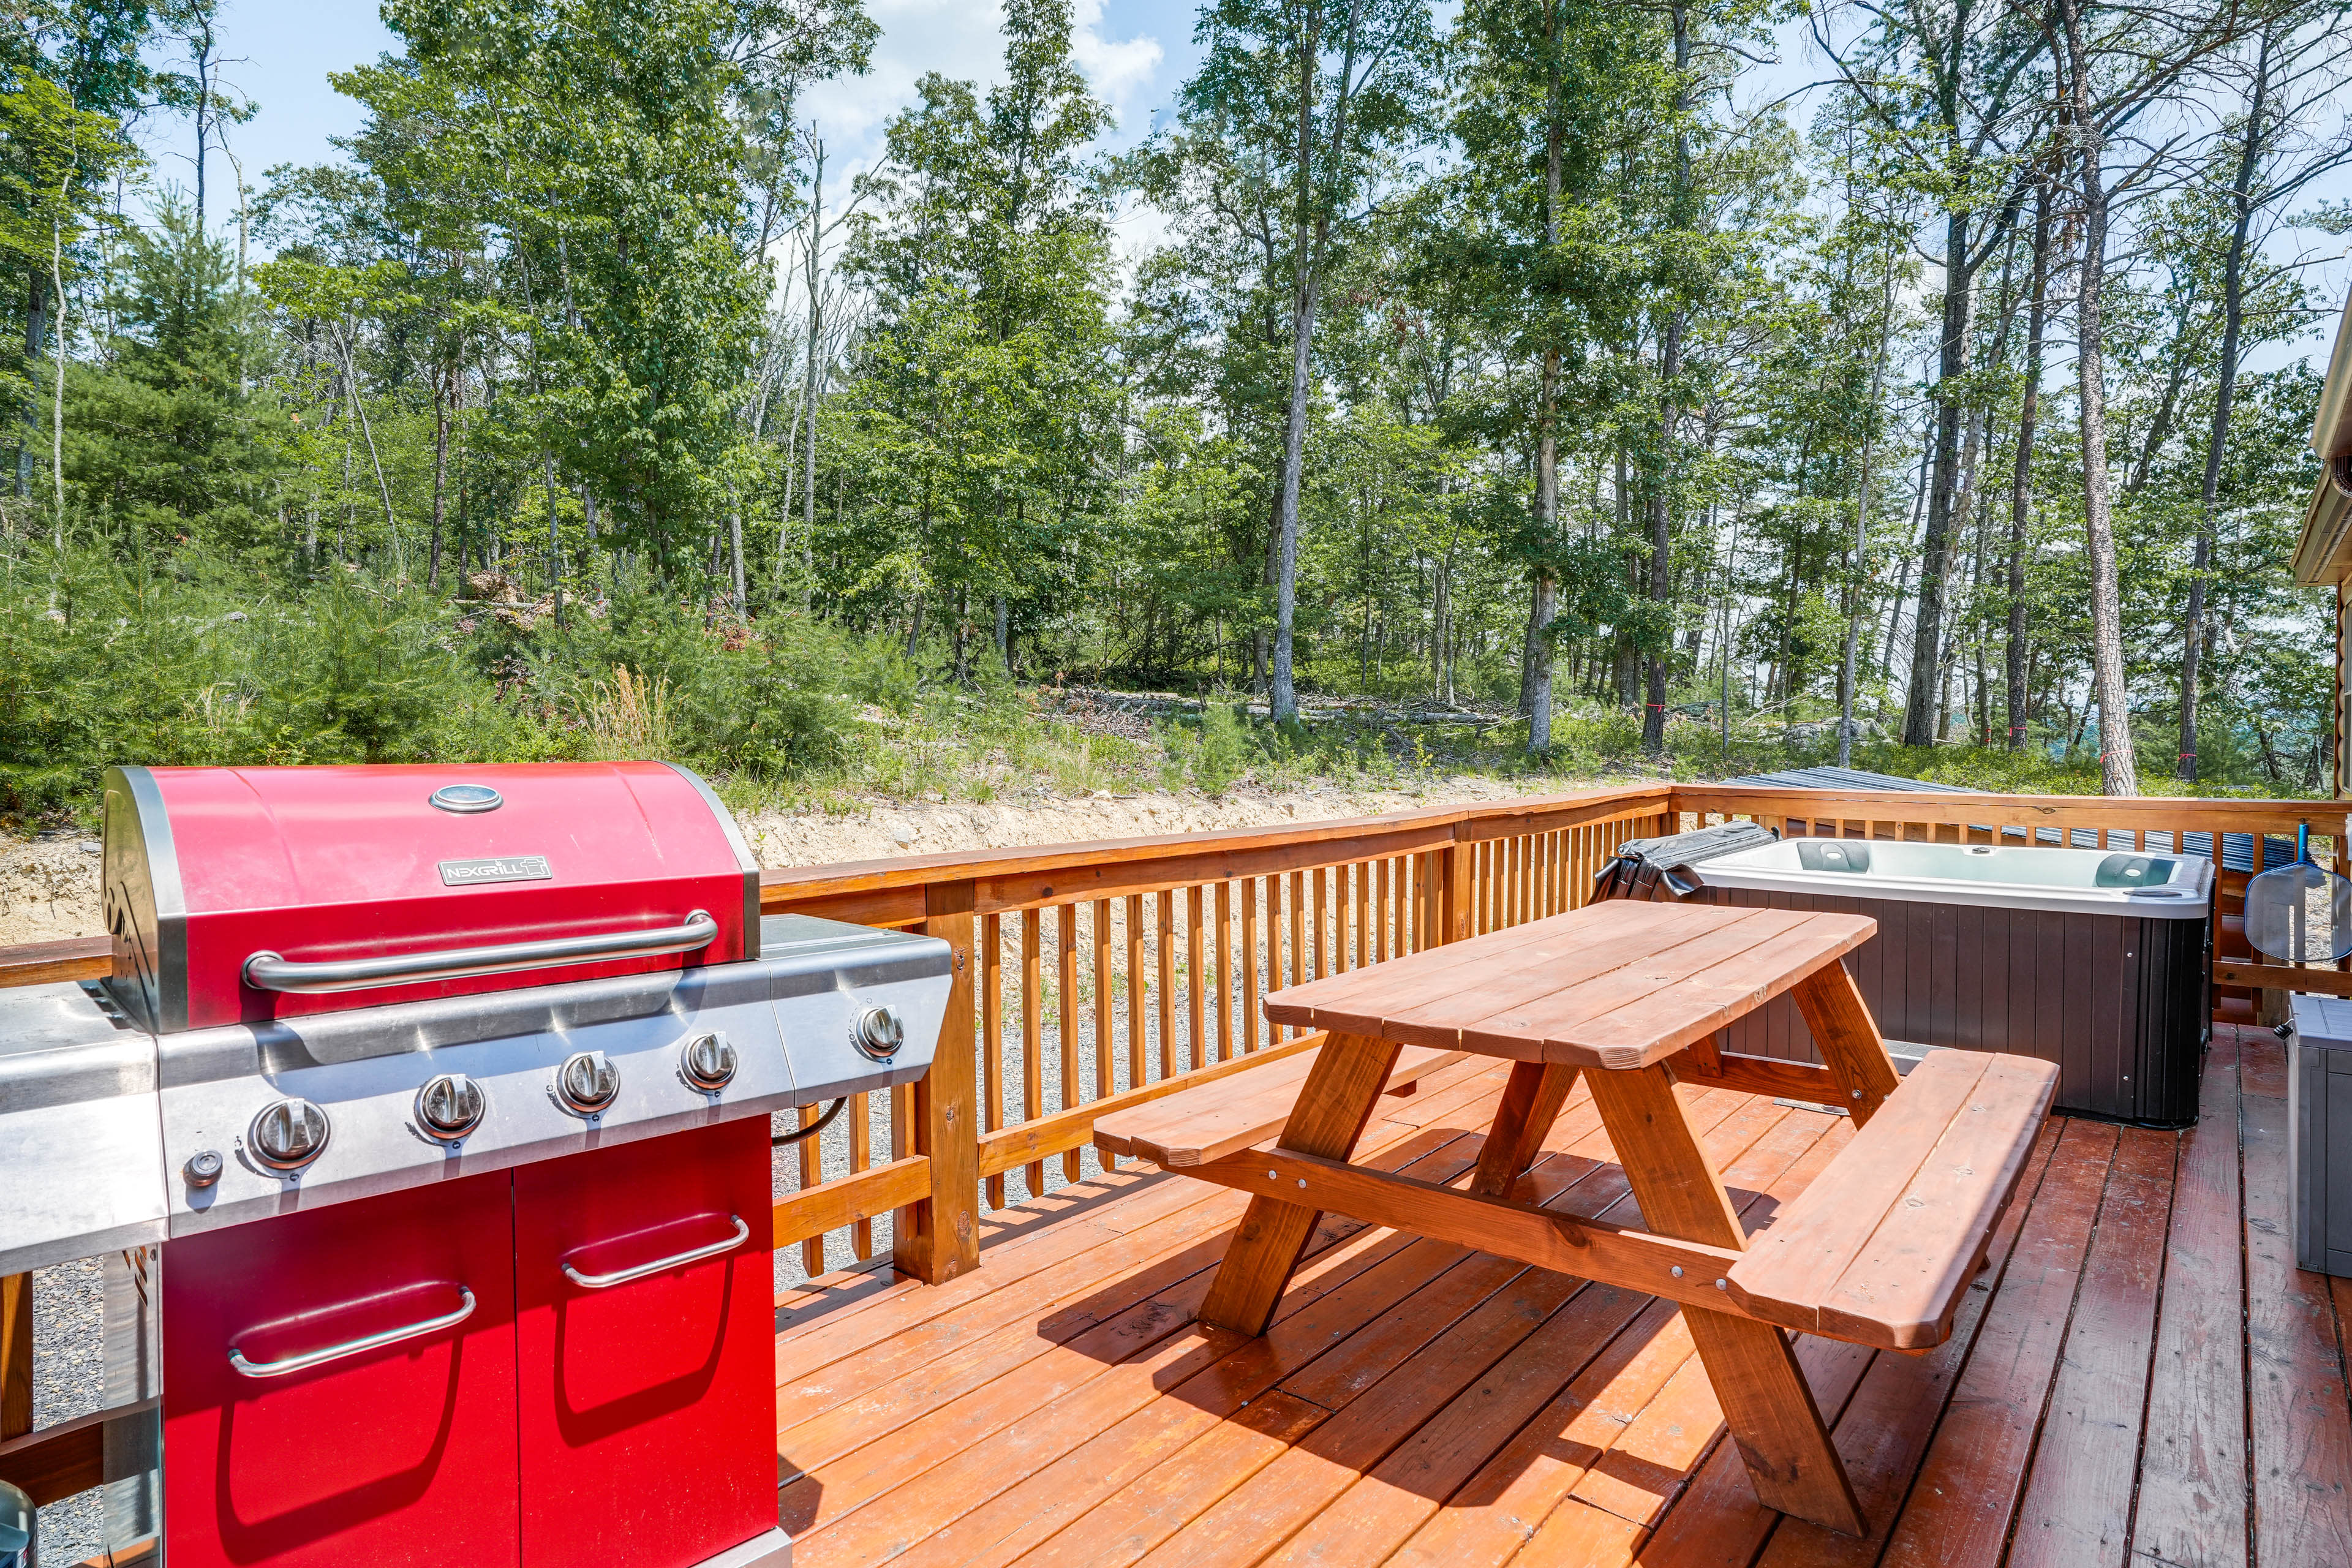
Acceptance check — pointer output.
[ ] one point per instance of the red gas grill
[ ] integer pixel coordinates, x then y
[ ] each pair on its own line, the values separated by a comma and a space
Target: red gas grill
458, 1082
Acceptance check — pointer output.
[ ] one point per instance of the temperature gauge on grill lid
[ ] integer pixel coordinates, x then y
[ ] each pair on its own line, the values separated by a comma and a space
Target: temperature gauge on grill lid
587, 1083
450, 1106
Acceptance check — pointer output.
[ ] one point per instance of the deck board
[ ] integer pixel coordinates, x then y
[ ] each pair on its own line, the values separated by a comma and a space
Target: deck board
1417, 1403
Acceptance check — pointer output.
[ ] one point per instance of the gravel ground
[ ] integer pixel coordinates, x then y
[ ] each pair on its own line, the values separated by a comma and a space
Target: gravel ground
68, 1366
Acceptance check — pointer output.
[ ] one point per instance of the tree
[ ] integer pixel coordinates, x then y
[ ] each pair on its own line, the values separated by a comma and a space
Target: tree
1317, 97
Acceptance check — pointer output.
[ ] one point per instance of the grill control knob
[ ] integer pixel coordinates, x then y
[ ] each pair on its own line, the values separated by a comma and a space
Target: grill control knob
288, 1135
708, 1062
587, 1083
880, 1032
449, 1107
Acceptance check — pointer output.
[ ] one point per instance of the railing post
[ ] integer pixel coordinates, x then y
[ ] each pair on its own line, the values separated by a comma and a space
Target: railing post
939, 1239
16, 1355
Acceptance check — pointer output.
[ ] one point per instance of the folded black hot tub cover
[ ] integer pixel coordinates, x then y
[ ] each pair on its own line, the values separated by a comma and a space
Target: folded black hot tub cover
1656, 867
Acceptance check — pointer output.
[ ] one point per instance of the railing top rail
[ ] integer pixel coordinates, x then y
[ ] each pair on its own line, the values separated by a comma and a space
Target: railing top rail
797, 882
2196, 813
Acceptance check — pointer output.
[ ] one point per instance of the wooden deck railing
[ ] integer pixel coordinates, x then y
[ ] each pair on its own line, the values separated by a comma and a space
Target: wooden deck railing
1093, 976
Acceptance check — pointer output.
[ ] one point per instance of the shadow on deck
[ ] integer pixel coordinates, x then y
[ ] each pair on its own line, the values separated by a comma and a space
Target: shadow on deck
2140, 1374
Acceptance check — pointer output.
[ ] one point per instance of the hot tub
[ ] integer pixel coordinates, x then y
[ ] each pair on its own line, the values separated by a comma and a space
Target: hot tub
2096, 961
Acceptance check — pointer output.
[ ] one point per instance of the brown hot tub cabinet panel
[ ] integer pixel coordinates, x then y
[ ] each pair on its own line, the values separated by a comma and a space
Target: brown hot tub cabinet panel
2118, 1000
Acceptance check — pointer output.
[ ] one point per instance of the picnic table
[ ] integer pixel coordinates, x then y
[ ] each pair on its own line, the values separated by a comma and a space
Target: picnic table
1629, 997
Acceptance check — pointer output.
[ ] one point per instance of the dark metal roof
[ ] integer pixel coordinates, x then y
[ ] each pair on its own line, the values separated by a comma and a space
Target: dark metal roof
2237, 848
1838, 778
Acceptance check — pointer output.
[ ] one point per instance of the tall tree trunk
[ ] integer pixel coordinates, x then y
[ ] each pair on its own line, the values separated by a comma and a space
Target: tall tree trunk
1307, 229
2225, 389
808, 398
2020, 487
1670, 369
1535, 687
1862, 523
36, 337
1959, 297
2118, 769
440, 479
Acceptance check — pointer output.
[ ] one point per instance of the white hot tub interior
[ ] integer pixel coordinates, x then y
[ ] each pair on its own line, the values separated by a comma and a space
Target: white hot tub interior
2008, 876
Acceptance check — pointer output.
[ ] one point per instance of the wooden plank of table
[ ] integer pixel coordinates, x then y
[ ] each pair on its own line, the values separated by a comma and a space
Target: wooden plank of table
1365, 1000
1958, 1511
1590, 965
1795, 1262
1667, 1017
2302, 1428
1905, 1281
2192, 1493
1340, 1091
1766, 1402
1887, 1425
2078, 1501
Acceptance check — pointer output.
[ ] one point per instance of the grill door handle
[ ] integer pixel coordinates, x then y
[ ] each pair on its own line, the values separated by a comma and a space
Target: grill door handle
353, 1347
271, 972
692, 1255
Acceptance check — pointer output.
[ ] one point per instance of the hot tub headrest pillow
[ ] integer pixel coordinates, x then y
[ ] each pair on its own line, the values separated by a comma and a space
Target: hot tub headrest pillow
1833, 854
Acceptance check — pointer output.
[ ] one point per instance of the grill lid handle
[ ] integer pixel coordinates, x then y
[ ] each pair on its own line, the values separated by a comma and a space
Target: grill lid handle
269, 972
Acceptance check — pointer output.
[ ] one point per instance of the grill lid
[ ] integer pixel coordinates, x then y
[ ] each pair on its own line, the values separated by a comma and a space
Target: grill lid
237, 895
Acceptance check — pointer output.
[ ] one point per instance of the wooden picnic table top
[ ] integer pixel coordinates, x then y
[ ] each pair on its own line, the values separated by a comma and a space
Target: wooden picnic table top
1618, 984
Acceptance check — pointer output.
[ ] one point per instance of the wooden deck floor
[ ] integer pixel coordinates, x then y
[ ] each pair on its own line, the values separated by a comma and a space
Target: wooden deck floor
2142, 1375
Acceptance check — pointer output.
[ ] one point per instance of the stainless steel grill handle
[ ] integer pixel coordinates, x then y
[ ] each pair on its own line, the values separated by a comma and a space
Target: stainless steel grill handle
694, 1255
353, 1347
269, 972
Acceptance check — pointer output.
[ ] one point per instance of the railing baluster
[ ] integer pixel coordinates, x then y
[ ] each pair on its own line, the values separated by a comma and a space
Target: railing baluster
1380, 908
1321, 913
1065, 968
812, 1172
1225, 977
1135, 989
1033, 1019
991, 1038
861, 1158
1032, 1046
1105, 1069
1250, 888
1297, 930
1196, 977
1163, 948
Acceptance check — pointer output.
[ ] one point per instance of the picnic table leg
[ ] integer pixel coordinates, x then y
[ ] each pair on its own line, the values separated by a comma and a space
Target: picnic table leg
1766, 1401
1849, 1039
1530, 1104
1333, 1106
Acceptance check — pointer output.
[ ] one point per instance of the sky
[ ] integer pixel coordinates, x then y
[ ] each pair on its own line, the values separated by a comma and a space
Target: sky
1137, 53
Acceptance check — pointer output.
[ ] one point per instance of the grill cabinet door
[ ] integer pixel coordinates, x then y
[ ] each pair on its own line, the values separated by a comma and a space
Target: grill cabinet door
396, 1456
648, 1406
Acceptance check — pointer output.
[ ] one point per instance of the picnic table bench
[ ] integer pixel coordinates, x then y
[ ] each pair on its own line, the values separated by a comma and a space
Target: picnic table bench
1629, 997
